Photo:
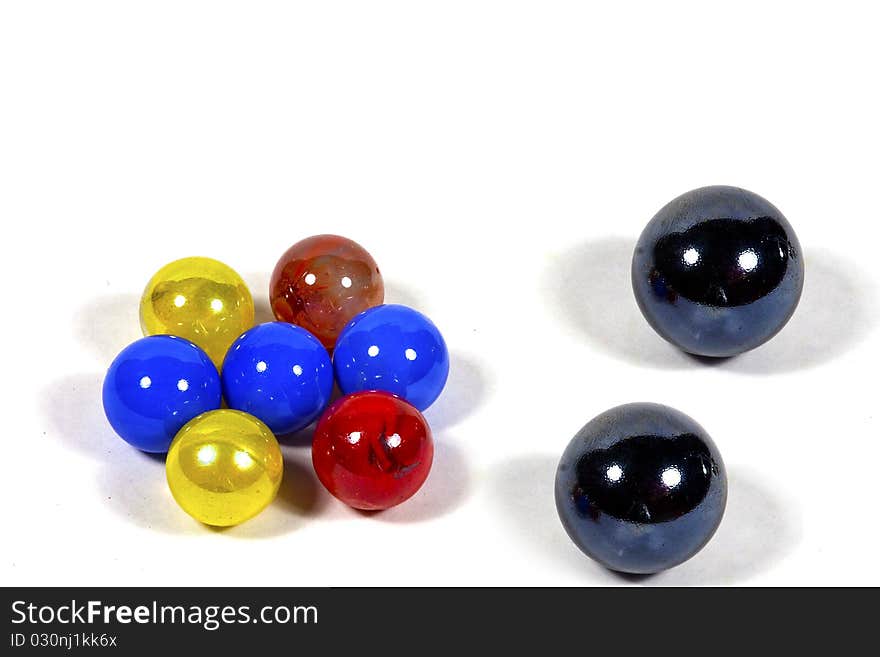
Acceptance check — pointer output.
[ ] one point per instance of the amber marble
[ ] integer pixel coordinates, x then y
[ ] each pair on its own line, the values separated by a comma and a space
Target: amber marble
322, 282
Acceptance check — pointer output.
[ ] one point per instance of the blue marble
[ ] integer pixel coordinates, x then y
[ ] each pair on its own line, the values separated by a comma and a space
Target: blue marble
718, 271
279, 373
395, 349
155, 386
641, 488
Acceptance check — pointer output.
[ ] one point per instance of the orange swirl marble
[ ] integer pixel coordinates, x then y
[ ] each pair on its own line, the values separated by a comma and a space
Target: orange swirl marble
322, 282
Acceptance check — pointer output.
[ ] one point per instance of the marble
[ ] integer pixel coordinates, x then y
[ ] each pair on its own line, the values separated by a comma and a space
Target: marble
718, 271
200, 299
396, 349
155, 386
224, 467
372, 450
281, 374
322, 282
641, 488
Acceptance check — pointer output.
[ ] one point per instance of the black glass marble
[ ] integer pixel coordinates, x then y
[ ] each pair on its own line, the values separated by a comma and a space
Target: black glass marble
718, 271
641, 488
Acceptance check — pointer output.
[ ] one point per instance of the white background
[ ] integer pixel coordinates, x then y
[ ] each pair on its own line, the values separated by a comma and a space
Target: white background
499, 160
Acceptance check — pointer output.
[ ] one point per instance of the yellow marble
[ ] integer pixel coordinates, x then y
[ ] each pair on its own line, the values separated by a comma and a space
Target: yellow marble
224, 467
199, 299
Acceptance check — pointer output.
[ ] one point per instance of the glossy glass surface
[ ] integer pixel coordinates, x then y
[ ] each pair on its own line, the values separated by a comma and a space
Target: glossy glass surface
396, 349
224, 467
641, 488
372, 450
199, 299
155, 386
322, 282
718, 271
279, 373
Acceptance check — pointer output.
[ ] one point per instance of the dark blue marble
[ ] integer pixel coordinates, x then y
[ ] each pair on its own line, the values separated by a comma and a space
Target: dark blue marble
718, 271
641, 488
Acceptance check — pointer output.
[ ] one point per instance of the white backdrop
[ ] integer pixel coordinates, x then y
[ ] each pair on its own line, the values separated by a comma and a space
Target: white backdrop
499, 160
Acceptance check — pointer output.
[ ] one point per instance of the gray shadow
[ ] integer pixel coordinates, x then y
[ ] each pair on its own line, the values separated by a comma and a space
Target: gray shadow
75, 412
400, 294
301, 493
464, 393
757, 531
591, 290
258, 284
132, 482
446, 489
522, 490
135, 488
301, 438
263, 312
108, 324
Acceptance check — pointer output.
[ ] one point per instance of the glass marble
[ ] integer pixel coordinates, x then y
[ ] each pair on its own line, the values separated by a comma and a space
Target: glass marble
224, 467
372, 450
396, 349
641, 488
279, 373
718, 271
155, 386
199, 299
322, 282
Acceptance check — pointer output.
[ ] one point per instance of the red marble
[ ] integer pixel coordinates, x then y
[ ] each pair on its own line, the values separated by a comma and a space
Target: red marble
372, 450
322, 282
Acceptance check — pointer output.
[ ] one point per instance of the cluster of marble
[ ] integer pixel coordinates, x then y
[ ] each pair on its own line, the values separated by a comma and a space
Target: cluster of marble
164, 392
